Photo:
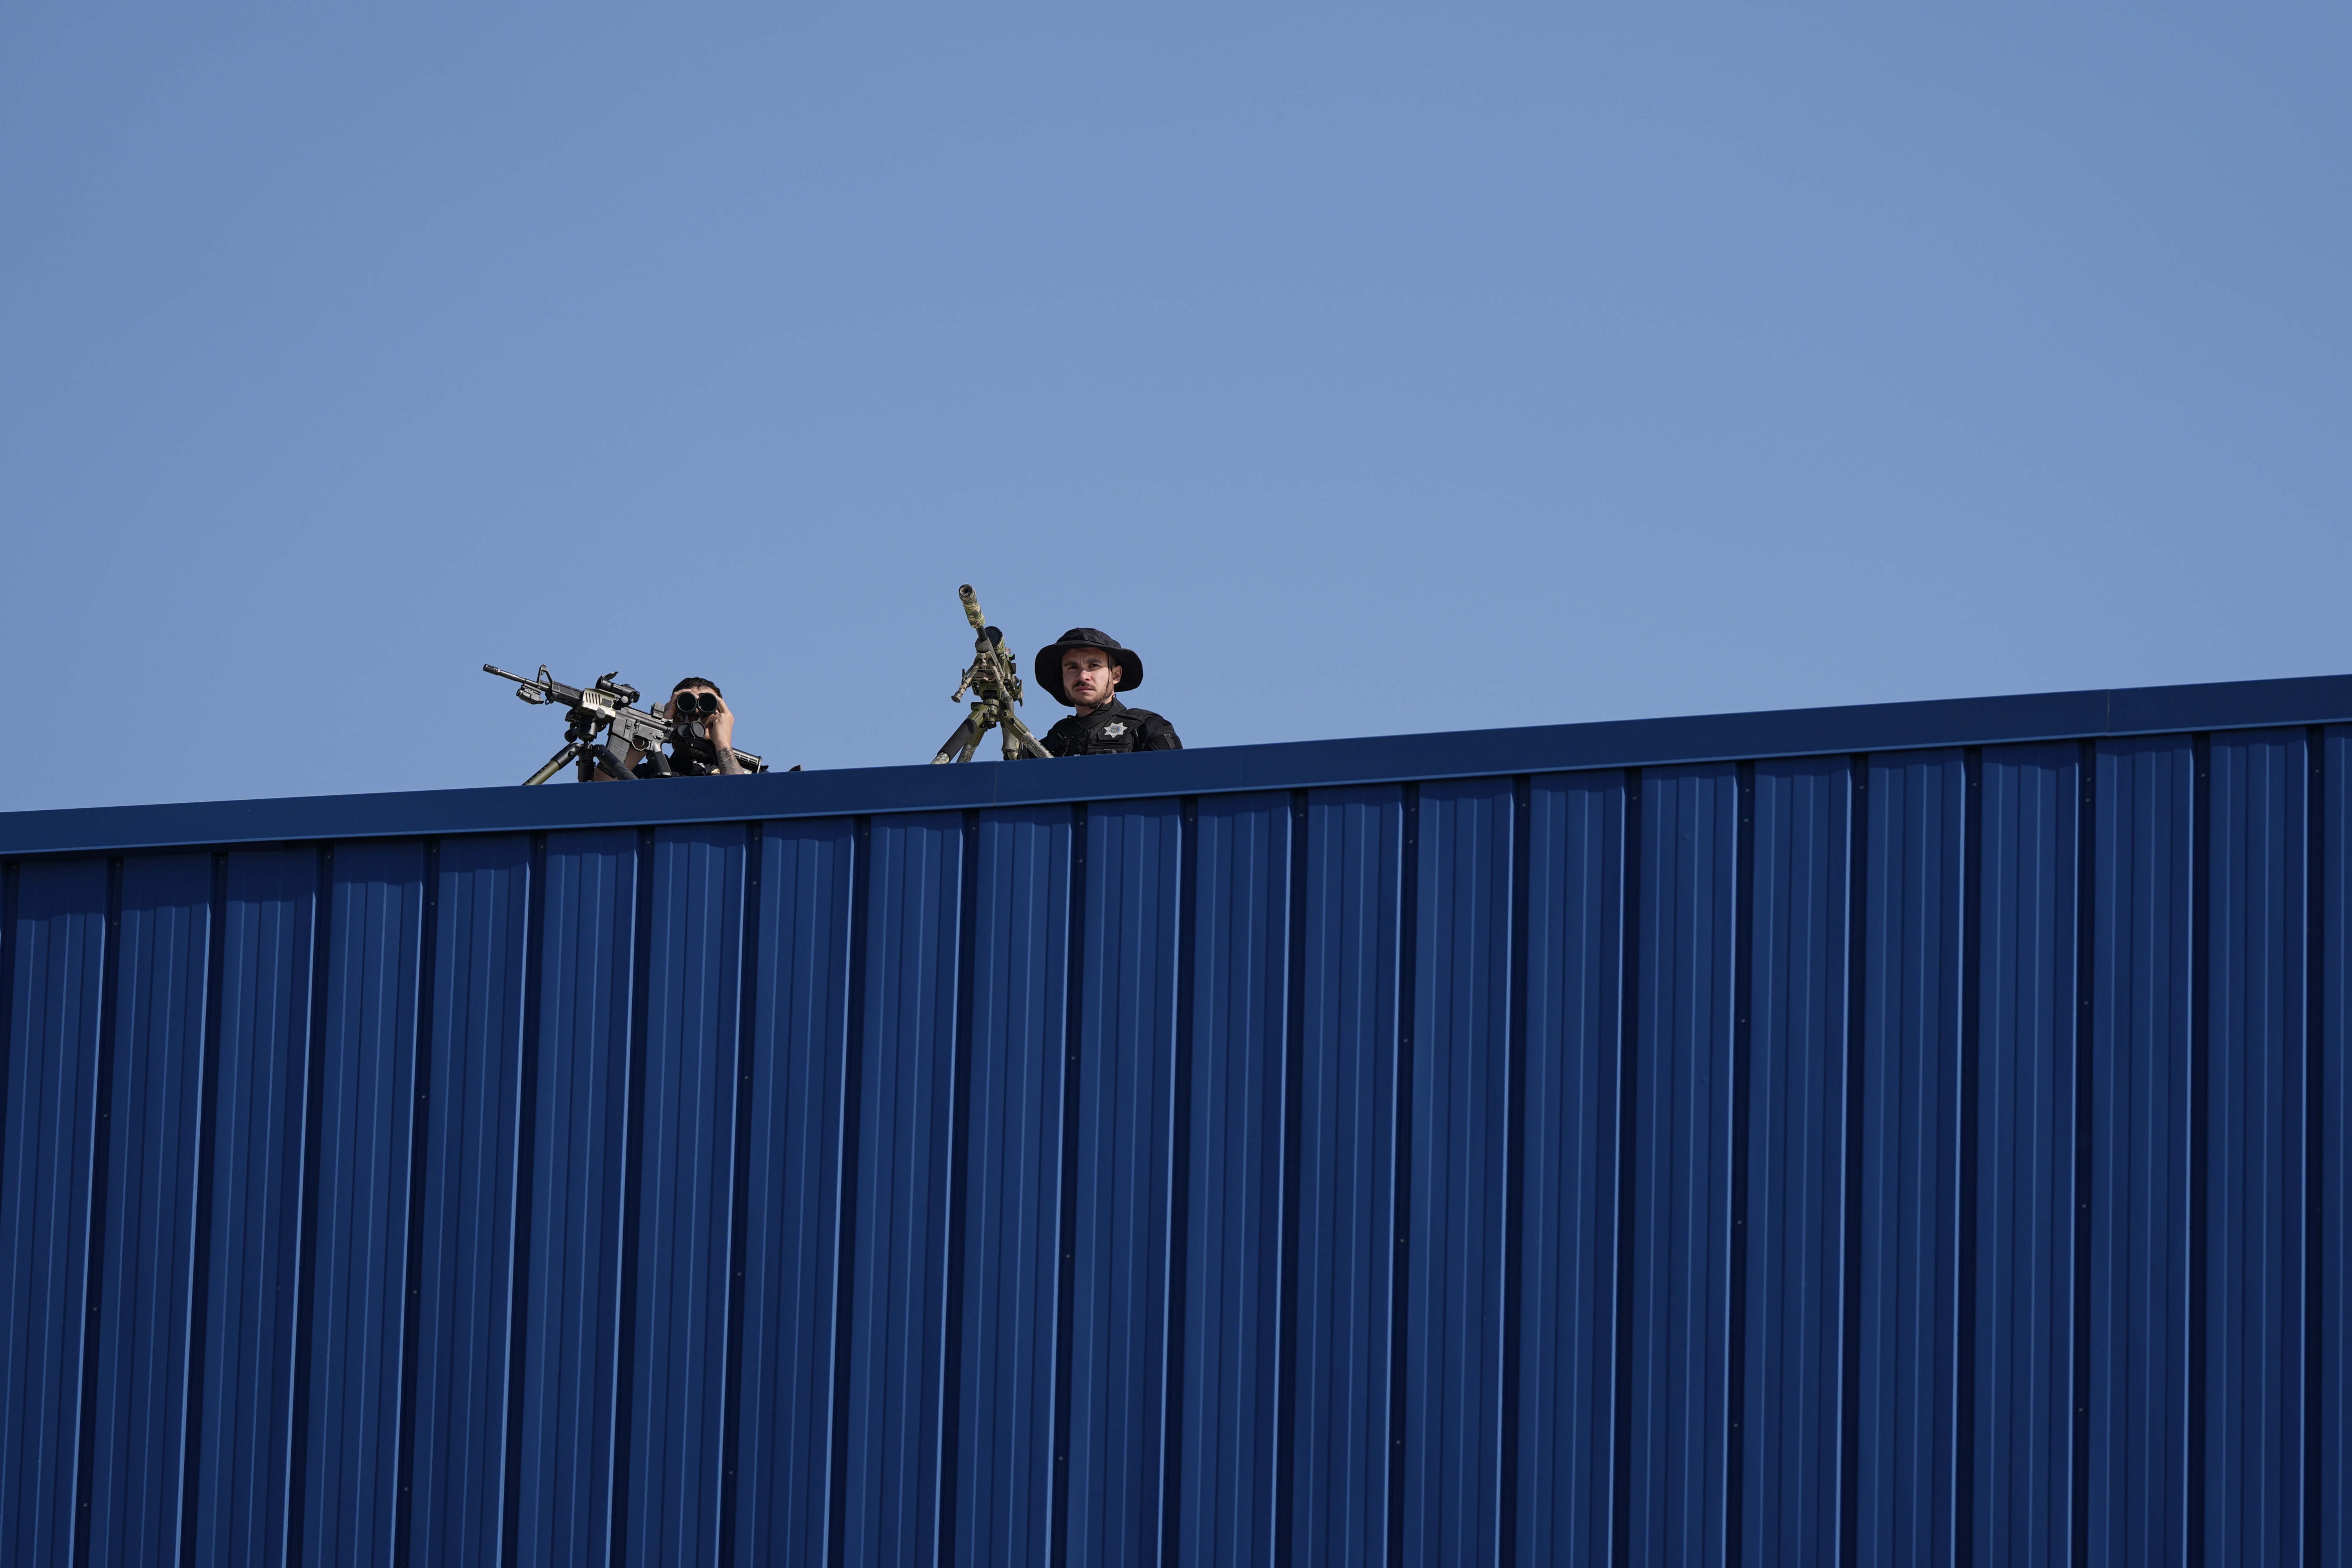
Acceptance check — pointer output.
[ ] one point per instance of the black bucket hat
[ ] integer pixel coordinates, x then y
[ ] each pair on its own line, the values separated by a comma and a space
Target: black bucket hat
1049, 661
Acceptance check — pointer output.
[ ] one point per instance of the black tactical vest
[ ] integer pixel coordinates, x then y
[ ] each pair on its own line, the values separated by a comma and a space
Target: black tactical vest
1109, 731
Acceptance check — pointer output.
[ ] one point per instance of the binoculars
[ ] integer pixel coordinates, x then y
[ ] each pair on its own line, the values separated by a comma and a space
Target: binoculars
694, 705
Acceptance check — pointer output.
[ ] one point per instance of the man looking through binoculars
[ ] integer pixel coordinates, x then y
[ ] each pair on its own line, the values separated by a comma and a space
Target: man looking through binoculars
703, 732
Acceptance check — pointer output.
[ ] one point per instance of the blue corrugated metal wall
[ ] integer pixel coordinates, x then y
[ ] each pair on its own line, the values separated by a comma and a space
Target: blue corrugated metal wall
1891, 1158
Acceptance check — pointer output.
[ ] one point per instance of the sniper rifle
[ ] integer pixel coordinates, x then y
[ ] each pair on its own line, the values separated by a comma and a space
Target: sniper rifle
995, 686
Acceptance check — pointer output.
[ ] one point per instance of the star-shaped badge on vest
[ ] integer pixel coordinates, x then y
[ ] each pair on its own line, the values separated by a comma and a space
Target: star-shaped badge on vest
1118, 729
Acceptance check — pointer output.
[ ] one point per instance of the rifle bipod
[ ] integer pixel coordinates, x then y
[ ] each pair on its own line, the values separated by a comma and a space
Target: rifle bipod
1018, 742
578, 746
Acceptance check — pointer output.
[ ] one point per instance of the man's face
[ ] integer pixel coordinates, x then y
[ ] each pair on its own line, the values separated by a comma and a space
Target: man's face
1090, 675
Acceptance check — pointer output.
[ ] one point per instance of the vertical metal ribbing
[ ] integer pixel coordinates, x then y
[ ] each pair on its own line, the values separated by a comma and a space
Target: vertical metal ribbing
526, 1165
1294, 1050
192, 1399
1629, 1028
305, 1284
1964, 1335
2201, 1047
746, 1019
1857, 1001
633, 1154
1400, 1135
1514, 1143
853, 1076
9, 872
1180, 1182
1066, 1269
1743, 994
2317, 1152
93, 1277
2086, 908
958, 1203
404, 1523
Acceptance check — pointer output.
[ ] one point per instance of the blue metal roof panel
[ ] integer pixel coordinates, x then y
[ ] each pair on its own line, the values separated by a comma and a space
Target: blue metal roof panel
367, 1107
907, 1076
578, 1030
793, 1230
58, 935
2256, 1372
2331, 1328
1797, 1072
1678, 1344
2024, 1100
1575, 1052
1020, 1048
2137, 1080
472, 1105
139, 1447
1125, 1102
1234, 1279
1907, 1340
1289, 1269
683, 1206
243, 1393
1457, 1208
1350, 1224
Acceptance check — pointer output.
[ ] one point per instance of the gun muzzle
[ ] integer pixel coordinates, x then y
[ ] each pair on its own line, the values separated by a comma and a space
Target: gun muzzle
529, 689
971, 607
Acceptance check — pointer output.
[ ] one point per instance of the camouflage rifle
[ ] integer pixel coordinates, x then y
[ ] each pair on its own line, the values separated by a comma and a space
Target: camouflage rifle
609, 706
995, 687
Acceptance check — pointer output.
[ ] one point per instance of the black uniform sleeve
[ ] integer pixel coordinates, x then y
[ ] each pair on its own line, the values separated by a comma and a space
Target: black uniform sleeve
1160, 735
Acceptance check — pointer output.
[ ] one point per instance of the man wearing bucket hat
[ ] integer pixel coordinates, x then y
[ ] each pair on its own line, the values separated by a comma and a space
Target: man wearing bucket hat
1086, 670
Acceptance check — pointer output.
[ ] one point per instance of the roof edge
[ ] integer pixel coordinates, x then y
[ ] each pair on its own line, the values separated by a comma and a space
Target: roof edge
1215, 770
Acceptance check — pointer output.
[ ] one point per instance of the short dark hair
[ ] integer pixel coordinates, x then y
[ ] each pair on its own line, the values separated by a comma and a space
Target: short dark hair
695, 680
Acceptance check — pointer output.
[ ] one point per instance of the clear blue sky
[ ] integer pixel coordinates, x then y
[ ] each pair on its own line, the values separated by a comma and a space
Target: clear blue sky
1370, 369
